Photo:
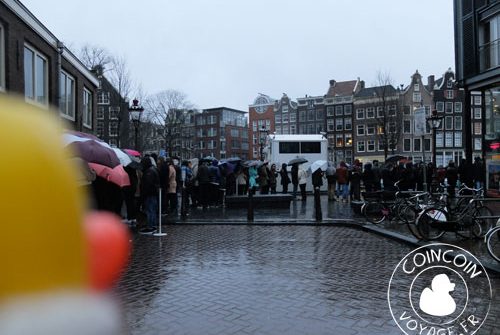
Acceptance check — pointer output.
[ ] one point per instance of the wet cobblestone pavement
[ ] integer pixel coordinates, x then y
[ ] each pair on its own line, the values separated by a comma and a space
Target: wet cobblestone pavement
244, 279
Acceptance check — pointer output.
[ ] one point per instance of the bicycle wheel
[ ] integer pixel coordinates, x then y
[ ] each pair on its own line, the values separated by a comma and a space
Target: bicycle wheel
429, 222
375, 212
483, 216
493, 243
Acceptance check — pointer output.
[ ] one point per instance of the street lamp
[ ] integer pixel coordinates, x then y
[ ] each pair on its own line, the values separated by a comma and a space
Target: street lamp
135, 114
434, 122
262, 136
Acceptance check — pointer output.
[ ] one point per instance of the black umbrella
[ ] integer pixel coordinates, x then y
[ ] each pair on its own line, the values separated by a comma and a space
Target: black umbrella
298, 160
394, 159
233, 160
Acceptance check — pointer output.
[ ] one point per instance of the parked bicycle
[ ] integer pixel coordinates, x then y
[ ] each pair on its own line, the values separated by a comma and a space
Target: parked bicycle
492, 240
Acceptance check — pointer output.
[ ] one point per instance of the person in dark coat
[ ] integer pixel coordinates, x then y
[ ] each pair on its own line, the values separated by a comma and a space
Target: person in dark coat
377, 173
317, 178
295, 179
355, 180
368, 178
285, 180
465, 173
150, 184
452, 176
478, 173
203, 178
272, 179
129, 195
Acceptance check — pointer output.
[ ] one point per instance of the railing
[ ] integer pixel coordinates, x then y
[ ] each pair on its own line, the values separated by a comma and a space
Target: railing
489, 55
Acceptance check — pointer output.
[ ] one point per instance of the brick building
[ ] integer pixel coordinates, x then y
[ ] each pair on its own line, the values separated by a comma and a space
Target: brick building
222, 133
36, 65
261, 121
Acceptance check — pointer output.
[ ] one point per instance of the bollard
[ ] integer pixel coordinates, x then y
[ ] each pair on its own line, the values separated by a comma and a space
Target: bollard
250, 205
317, 205
159, 232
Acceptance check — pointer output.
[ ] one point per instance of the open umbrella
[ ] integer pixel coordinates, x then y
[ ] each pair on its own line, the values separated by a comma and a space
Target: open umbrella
93, 152
319, 164
122, 156
234, 159
132, 152
116, 175
394, 159
208, 159
298, 160
254, 163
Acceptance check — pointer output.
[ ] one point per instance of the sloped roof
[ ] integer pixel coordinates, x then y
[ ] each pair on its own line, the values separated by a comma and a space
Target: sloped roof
372, 91
341, 88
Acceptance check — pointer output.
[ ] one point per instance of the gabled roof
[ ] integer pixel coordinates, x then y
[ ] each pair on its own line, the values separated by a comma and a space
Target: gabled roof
371, 92
341, 88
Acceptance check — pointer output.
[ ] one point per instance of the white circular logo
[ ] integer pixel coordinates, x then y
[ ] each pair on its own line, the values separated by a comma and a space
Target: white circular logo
439, 289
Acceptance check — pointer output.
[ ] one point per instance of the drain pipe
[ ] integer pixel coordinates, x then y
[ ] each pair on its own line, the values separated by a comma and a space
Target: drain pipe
60, 50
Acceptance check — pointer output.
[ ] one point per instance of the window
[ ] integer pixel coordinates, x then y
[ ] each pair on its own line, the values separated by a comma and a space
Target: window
416, 87
2, 58
310, 115
361, 146
100, 129
380, 111
370, 113
114, 113
370, 129
285, 130
339, 141
448, 139
476, 100
407, 144
100, 113
278, 130
427, 144
268, 124
302, 116
293, 129
417, 97
277, 118
285, 109
392, 110
449, 107
113, 128
477, 113
477, 128
370, 145
67, 94
319, 114
103, 98
339, 110
113, 142
289, 147
348, 140
310, 147
293, 117
330, 110
360, 113
339, 124
329, 125
406, 110
406, 126
449, 83
392, 127
448, 122
449, 94
360, 129
35, 76
87, 108
347, 124
347, 110
439, 139
284, 119
458, 107
440, 106
458, 123
416, 145
477, 144
235, 133
254, 126
458, 139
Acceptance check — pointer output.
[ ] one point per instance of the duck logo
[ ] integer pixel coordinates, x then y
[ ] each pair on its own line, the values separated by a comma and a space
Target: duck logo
439, 289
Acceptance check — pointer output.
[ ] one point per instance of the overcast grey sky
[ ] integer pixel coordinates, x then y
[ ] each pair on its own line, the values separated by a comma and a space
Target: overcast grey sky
224, 52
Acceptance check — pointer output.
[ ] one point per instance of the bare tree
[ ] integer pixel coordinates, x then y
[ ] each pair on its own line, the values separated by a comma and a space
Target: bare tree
93, 56
169, 109
390, 118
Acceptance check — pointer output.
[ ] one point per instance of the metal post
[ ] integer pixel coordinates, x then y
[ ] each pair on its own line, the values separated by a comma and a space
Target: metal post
250, 205
425, 166
317, 205
183, 203
159, 233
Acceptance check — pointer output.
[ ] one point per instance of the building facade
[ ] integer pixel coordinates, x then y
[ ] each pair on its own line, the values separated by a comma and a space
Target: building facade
285, 116
37, 66
261, 122
339, 119
221, 133
311, 115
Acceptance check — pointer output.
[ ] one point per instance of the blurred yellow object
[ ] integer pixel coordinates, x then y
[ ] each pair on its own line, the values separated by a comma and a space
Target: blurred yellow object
42, 209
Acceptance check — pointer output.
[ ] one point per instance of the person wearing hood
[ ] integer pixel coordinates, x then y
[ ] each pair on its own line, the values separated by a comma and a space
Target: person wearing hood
150, 184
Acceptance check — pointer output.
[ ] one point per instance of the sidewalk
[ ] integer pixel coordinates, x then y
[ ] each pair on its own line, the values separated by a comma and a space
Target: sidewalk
334, 213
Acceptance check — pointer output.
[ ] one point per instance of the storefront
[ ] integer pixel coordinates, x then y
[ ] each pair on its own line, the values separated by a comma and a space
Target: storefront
491, 148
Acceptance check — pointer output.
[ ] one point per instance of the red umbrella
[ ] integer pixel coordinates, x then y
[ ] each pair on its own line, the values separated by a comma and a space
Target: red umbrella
116, 175
132, 152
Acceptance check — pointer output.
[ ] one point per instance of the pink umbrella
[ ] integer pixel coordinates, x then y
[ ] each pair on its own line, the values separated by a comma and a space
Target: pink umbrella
132, 152
116, 175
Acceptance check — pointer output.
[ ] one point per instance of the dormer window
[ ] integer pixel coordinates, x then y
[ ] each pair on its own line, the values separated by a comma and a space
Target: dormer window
416, 87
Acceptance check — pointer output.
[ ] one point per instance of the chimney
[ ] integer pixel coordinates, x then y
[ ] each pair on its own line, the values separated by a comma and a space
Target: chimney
362, 84
332, 82
430, 82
